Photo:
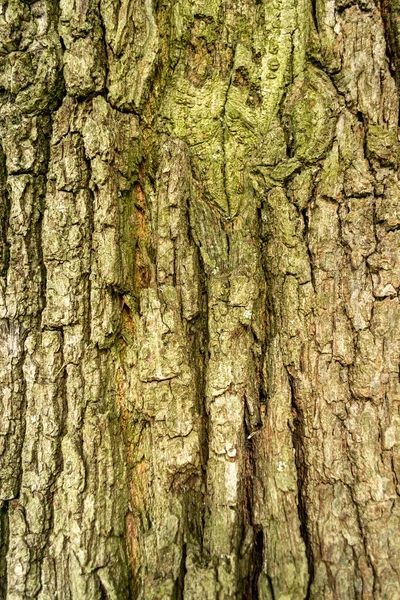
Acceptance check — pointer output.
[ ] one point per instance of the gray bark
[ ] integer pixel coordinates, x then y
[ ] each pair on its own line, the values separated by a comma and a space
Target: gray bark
200, 323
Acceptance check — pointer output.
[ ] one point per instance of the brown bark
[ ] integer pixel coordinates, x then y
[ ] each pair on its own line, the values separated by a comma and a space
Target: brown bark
199, 275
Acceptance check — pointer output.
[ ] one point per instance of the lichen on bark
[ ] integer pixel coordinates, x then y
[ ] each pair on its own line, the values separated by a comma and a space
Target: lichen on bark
199, 275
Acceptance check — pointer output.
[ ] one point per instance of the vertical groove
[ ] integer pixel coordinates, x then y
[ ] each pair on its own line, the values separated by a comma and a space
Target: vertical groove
301, 467
4, 542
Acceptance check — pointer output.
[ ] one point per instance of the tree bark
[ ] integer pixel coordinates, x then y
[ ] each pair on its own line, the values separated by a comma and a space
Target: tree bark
200, 323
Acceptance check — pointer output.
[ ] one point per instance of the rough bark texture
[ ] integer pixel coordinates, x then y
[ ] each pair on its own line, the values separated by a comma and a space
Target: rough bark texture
200, 264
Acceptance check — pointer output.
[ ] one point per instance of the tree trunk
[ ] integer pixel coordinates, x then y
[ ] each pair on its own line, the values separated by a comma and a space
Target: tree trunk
200, 334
